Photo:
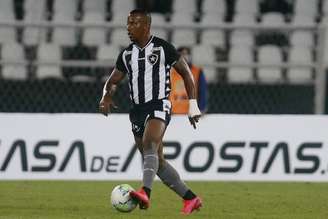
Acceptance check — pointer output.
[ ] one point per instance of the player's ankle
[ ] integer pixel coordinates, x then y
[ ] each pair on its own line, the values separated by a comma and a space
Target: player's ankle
147, 190
189, 195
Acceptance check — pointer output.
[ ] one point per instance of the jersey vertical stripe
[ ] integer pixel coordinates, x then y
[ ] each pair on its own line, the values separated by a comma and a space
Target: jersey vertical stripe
141, 76
156, 74
135, 74
127, 61
162, 85
148, 74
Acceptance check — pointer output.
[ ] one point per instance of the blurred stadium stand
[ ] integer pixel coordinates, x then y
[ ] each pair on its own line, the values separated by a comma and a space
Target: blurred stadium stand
58, 60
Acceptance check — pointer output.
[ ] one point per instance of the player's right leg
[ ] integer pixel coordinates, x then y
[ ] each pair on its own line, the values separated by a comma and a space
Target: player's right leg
138, 119
140, 194
151, 139
171, 179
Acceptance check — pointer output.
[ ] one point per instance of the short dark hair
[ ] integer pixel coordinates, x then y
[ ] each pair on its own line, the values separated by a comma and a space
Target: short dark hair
142, 12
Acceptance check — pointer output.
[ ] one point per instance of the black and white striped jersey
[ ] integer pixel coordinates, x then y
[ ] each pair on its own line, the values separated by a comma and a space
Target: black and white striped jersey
148, 69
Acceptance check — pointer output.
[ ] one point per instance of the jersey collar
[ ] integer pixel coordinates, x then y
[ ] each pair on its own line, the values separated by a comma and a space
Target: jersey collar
150, 39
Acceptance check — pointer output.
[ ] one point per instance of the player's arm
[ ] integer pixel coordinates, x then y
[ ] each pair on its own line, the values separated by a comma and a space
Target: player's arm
183, 69
109, 89
202, 92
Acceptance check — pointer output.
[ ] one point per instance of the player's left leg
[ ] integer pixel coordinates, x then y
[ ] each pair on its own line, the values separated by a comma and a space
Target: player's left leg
152, 137
171, 179
170, 176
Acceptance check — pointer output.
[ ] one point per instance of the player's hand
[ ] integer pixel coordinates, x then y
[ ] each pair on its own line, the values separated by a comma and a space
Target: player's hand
193, 120
105, 105
194, 113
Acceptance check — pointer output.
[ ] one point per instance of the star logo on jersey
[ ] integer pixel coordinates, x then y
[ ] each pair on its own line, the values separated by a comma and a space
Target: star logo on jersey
152, 58
136, 128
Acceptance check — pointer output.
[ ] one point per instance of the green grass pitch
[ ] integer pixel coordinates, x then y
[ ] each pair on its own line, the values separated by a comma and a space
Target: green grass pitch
89, 199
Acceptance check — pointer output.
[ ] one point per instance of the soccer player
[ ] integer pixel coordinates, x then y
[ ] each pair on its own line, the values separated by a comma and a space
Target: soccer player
147, 62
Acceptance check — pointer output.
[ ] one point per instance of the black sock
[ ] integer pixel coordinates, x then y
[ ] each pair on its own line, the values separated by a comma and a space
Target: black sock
189, 195
147, 190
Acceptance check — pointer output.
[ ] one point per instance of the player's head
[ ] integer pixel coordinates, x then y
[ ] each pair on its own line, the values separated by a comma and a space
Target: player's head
138, 24
185, 53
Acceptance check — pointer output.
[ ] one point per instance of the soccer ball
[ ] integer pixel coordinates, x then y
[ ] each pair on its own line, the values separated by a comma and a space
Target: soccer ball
121, 200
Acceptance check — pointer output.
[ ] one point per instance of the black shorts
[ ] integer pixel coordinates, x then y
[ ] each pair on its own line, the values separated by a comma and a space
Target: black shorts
141, 113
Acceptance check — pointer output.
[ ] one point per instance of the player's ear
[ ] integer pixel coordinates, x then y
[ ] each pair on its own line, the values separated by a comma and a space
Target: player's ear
147, 22
146, 27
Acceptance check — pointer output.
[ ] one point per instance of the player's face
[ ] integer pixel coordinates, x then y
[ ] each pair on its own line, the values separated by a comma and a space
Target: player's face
137, 27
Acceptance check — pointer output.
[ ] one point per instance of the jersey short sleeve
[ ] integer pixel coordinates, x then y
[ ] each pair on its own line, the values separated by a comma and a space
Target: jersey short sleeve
120, 64
171, 54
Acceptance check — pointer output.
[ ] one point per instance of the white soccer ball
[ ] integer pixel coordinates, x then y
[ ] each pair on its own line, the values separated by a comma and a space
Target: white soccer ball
121, 200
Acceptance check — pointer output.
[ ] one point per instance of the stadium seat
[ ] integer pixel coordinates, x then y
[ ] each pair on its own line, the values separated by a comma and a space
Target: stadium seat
63, 35
108, 52
65, 12
244, 19
239, 75
302, 38
274, 36
211, 74
325, 54
272, 19
119, 18
49, 53
184, 37
300, 55
214, 38
306, 7
249, 7
159, 32
325, 48
122, 6
214, 7
34, 12
7, 8
184, 6
271, 55
68, 9
240, 55
157, 19
203, 54
93, 36
212, 19
325, 8
306, 20
7, 34
182, 19
98, 6
242, 37
13, 52
120, 37
35, 9
324, 19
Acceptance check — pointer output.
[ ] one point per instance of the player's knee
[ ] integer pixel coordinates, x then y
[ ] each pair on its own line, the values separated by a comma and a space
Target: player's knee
150, 146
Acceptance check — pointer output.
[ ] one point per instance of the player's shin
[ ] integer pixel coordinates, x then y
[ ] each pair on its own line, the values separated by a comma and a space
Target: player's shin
171, 178
150, 167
